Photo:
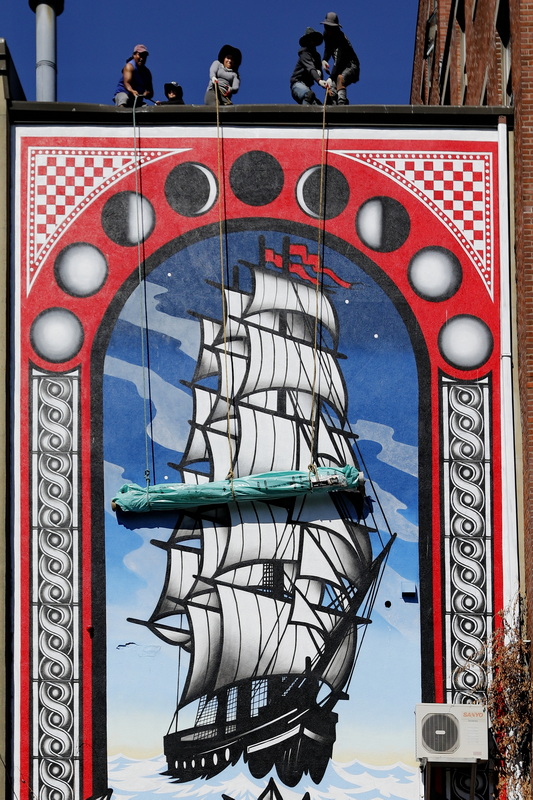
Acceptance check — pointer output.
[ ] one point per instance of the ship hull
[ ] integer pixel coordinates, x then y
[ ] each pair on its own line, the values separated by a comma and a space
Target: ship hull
296, 743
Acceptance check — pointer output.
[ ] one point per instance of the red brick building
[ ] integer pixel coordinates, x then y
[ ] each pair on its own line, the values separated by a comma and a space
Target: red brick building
478, 53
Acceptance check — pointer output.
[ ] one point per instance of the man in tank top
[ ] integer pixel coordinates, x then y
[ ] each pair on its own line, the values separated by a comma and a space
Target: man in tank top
136, 79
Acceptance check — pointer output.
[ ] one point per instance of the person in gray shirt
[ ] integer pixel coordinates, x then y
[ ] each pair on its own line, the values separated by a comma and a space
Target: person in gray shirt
224, 77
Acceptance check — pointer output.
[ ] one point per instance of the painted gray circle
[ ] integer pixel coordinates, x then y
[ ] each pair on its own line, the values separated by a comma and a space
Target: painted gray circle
128, 218
435, 273
383, 224
322, 187
256, 178
191, 189
56, 335
81, 269
465, 342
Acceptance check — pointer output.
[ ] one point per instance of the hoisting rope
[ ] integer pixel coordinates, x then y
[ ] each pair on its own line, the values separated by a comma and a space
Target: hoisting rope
142, 302
321, 224
221, 197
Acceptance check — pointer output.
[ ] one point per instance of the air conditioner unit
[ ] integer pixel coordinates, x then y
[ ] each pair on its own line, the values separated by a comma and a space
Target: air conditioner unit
451, 732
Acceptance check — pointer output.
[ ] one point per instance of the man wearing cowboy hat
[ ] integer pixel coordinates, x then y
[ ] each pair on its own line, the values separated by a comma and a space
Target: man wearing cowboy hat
307, 70
345, 68
224, 77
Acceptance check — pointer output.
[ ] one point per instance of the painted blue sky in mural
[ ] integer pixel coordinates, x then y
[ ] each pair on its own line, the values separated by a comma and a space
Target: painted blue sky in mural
382, 386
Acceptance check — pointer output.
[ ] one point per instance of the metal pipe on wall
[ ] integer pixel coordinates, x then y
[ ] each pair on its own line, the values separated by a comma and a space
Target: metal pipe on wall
45, 48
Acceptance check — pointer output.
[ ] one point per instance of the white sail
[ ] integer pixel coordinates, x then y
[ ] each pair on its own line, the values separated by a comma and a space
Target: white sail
274, 291
183, 566
321, 513
206, 628
334, 447
331, 558
338, 669
270, 442
172, 635
232, 370
196, 449
276, 362
215, 539
220, 454
258, 639
207, 361
204, 401
259, 532
305, 613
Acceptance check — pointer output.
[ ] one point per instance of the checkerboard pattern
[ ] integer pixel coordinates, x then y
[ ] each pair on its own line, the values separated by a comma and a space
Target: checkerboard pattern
62, 182
458, 189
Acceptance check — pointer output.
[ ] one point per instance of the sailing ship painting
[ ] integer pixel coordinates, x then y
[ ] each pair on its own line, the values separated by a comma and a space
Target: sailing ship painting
266, 600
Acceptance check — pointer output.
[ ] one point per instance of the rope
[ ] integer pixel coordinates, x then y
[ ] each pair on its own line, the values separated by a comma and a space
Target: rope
142, 302
321, 224
220, 176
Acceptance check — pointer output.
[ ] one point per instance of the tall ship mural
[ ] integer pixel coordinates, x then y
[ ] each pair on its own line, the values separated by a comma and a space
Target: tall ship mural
267, 597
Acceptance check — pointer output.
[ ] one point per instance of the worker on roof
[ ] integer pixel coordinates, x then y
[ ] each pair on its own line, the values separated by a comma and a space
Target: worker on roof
345, 69
174, 95
307, 71
224, 77
136, 79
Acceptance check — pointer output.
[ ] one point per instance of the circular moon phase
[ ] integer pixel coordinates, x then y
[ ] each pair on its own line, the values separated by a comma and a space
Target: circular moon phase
80, 269
435, 273
333, 187
383, 224
465, 342
128, 218
191, 189
256, 178
56, 335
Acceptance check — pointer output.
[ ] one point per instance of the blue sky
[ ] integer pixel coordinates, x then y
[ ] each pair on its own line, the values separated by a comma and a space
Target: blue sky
94, 38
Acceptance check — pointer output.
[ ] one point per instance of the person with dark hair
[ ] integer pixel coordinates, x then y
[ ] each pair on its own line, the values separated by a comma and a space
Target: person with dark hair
174, 95
345, 69
136, 79
307, 71
224, 77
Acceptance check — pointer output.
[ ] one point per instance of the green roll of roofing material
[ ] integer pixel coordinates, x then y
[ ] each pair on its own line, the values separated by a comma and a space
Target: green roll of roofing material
265, 486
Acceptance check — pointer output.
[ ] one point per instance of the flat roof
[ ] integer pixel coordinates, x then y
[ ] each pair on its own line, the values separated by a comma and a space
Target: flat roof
24, 112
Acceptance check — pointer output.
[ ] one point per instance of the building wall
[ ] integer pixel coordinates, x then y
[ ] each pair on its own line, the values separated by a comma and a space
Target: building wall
489, 56
122, 238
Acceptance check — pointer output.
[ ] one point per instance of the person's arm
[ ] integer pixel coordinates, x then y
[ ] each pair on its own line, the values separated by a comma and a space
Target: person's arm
310, 66
213, 69
234, 88
127, 75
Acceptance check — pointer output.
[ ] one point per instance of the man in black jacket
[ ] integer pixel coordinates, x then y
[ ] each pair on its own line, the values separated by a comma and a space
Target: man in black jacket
345, 69
307, 70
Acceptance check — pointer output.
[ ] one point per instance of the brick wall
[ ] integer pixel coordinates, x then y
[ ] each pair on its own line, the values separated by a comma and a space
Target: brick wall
484, 52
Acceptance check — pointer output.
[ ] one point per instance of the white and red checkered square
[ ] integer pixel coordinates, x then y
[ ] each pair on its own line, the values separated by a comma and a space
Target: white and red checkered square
62, 182
458, 189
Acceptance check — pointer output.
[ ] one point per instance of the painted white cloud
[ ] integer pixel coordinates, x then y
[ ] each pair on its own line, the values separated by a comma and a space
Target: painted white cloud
186, 331
391, 507
173, 406
401, 456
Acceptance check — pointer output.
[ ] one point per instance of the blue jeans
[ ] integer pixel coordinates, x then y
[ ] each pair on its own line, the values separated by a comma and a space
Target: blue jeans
303, 94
